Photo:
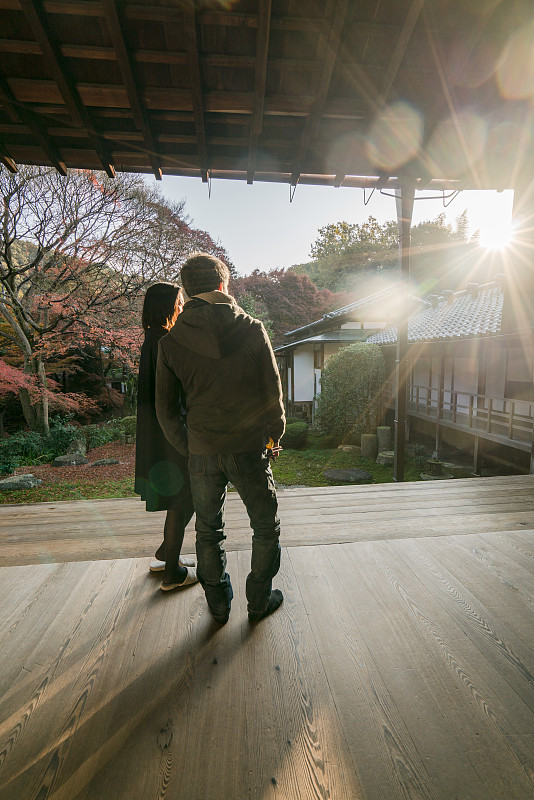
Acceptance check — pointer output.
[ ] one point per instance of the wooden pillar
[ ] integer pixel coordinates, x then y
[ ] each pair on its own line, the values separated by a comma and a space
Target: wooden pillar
439, 409
518, 312
405, 199
477, 457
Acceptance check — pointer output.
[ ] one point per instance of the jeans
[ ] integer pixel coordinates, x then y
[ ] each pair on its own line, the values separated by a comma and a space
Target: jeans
251, 475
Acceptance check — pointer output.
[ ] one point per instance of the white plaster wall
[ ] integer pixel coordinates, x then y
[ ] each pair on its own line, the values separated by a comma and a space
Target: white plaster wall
304, 371
465, 380
496, 376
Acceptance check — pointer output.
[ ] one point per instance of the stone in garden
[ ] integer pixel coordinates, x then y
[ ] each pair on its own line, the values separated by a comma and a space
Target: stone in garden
369, 445
383, 435
386, 457
101, 462
15, 482
348, 448
70, 460
348, 475
77, 446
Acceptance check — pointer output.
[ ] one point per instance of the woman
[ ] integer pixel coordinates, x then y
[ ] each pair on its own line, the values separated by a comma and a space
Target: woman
161, 474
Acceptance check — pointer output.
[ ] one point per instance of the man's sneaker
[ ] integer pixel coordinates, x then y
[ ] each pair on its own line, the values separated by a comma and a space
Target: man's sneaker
190, 578
159, 566
275, 601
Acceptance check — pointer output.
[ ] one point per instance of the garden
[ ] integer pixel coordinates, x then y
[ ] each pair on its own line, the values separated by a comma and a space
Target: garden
73, 461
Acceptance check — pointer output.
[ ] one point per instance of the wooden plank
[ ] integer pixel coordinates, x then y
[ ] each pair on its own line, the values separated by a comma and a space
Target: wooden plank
31, 527
412, 649
497, 587
347, 634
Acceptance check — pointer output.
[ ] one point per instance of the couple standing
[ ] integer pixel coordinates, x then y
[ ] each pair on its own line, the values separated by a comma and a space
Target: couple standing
218, 400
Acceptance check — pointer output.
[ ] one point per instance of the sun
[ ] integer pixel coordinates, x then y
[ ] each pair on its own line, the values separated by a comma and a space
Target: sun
497, 237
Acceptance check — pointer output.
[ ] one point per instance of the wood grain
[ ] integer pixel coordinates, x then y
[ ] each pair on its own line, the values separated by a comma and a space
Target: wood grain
109, 529
400, 664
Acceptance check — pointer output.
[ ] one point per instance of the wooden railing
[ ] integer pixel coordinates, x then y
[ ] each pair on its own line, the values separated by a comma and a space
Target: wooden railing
500, 416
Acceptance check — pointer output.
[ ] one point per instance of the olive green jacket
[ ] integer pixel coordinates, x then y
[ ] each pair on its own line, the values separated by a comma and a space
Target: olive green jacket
218, 362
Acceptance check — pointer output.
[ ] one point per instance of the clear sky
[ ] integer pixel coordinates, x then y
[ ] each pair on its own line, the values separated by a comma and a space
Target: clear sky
261, 229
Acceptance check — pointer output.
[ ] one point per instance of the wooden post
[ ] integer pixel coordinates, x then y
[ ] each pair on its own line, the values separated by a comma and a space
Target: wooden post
404, 200
477, 457
439, 409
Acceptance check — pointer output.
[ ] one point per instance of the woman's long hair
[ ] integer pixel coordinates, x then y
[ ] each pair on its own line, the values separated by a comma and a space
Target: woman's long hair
161, 306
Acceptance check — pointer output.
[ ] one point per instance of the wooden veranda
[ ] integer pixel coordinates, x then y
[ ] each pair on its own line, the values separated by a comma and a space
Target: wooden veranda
400, 665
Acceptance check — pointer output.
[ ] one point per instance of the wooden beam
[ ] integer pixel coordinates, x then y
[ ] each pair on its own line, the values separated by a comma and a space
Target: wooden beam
400, 48
7, 161
197, 98
260, 78
21, 112
139, 113
50, 50
314, 118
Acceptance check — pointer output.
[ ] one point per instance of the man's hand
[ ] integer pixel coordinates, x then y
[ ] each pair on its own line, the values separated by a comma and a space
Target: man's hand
273, 449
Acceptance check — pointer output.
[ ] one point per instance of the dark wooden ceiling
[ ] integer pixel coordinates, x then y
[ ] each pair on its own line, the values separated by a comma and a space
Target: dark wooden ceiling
336, 92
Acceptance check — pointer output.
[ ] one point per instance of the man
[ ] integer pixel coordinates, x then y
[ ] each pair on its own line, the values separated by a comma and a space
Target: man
220, 359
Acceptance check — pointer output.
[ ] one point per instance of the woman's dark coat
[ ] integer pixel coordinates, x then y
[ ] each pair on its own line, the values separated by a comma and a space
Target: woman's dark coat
161, 474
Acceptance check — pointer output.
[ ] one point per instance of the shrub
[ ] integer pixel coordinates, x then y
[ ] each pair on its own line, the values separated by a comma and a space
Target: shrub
62, 433
31, 447
97, 435
351, 383
291, 420
295, 436
128, 425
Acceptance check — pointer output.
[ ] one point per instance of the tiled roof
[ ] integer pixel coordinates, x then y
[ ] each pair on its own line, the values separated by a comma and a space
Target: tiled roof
475, 311
384, 300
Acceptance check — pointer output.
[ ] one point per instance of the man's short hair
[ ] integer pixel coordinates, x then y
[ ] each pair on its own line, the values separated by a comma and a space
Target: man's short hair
203, 272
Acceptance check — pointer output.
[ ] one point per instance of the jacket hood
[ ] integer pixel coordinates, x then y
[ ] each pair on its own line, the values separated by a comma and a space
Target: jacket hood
211, 325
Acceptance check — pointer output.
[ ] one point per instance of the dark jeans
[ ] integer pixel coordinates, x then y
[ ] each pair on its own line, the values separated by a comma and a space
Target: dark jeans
252, 477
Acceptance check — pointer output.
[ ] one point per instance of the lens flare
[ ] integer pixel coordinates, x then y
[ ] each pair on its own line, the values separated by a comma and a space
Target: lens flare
515, 73
395, 137
456, 145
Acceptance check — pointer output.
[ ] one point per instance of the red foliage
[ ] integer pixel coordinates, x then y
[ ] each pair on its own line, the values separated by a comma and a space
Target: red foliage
292, 300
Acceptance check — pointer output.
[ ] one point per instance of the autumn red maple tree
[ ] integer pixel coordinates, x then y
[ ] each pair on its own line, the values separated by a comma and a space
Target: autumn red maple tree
76, 254
288, 299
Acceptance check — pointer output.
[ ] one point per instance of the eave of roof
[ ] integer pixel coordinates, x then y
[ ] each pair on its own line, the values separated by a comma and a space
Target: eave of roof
345, 336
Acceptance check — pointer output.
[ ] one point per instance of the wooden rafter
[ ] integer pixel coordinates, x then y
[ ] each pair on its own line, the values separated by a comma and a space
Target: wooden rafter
400, 48
138, 110
19, 112
313, 120
190, 31
379, 98
260, 78
6, 160
79, 116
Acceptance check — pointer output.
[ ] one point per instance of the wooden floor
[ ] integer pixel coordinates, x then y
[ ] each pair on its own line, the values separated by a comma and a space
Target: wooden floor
401, 664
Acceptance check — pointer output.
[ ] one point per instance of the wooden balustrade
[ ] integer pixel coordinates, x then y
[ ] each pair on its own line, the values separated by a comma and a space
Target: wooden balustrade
477, 413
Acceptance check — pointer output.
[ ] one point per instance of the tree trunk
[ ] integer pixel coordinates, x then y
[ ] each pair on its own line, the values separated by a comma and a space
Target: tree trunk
36, 411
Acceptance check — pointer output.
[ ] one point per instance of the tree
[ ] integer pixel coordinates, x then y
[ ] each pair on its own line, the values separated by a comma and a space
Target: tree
441, 258
76, 252
14, 380
288, 300
351, 383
